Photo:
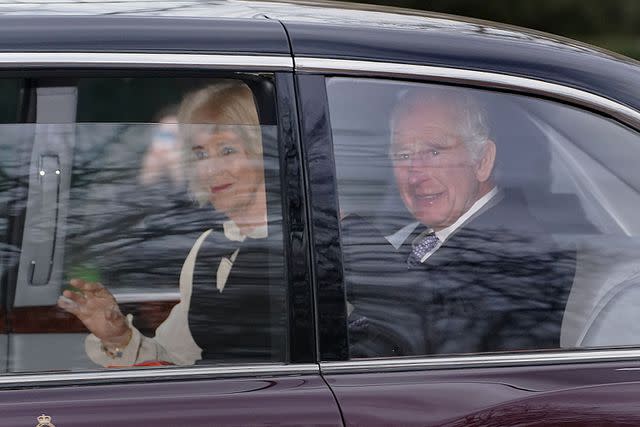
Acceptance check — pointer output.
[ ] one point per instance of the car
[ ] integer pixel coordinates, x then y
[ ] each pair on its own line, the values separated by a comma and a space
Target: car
93, 187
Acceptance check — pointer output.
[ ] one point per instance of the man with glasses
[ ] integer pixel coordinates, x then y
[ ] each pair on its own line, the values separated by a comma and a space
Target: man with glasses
473, 271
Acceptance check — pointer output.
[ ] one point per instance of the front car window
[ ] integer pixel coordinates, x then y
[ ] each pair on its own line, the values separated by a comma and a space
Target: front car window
149, 226
475, 221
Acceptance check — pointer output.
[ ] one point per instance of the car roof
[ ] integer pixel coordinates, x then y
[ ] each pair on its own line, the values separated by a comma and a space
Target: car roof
318, 29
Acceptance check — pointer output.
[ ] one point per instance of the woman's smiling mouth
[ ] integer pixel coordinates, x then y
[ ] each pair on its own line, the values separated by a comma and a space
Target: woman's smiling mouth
219, 188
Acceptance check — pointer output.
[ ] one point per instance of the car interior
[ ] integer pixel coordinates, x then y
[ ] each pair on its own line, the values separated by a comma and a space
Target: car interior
94, 223
98, 222
556, 156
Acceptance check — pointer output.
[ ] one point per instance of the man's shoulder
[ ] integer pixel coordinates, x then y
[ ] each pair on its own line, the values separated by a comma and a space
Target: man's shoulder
358, 227
365, 248
508, 230
505, 228
508, 212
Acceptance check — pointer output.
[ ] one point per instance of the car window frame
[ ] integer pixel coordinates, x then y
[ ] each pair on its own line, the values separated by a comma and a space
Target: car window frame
301, 348
324, 213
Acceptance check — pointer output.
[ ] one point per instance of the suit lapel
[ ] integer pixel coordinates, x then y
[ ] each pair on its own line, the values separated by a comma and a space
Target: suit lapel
465, 238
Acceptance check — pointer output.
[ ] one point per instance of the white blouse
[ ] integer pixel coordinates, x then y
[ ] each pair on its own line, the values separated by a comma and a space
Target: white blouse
173, 341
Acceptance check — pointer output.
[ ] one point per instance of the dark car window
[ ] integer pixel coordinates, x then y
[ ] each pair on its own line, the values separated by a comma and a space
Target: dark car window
177, 221
476, 221
10, 90
11, 189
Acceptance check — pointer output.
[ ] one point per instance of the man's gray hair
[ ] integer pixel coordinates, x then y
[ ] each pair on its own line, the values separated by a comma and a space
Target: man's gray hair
469, 115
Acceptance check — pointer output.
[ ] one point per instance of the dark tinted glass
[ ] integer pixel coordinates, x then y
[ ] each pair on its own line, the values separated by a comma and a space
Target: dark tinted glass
10, 90
475, 221
160, 196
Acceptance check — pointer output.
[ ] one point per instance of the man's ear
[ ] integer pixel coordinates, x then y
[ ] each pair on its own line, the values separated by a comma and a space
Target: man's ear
486, 162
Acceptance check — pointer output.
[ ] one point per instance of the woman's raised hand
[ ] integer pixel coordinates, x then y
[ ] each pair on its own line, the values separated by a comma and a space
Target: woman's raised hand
96, 307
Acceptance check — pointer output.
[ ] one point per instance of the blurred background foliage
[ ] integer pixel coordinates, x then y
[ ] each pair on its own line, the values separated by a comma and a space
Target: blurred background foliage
611, 24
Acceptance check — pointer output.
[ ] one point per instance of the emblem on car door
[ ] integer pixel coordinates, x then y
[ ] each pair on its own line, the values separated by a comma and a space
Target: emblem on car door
45, 421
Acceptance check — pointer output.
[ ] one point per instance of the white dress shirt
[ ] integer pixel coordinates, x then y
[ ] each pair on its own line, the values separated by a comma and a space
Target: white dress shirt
399, 237
173, 341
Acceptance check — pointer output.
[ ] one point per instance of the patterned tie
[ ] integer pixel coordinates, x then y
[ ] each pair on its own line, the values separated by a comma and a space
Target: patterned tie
427, 243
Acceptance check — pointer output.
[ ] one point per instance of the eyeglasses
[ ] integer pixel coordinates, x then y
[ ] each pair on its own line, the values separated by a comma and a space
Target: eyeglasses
445, 151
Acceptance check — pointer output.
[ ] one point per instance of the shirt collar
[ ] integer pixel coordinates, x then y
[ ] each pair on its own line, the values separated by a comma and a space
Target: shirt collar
232, 232
398, 238
446, 232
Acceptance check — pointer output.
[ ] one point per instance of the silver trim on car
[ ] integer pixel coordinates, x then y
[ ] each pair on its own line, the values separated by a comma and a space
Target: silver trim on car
149, 60
140, 374
131, 297
480, 78
480, 361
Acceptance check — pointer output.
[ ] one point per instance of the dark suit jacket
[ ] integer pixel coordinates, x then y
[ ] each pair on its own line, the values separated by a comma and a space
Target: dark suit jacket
247, 321
499, 282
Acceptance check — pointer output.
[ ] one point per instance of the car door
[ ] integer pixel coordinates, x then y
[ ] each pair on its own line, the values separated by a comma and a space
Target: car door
398, 349
96, 187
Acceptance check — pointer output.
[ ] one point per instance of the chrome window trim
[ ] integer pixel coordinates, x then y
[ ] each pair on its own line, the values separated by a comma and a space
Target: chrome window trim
155, 374
133, 297
480, 361
144, 60
487, 79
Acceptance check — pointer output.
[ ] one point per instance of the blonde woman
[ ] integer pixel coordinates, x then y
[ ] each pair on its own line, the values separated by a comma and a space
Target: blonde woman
223, 311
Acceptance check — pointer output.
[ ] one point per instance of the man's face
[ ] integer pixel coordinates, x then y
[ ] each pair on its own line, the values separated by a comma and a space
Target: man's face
438, 177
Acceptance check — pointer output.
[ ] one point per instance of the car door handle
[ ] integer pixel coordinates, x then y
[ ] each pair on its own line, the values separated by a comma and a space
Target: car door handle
41, 266
45, 204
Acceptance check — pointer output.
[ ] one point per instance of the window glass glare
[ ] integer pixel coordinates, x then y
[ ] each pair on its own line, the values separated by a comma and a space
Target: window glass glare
145, 232
475, 221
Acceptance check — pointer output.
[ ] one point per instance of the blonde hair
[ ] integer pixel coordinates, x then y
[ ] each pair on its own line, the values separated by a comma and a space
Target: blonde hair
224, 102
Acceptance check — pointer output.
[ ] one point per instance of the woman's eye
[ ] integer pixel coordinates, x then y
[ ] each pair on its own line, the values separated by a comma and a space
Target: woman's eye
228, 150
434, 153
200, 154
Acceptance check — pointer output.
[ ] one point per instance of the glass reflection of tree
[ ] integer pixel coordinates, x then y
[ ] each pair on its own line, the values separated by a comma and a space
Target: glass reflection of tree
490, 290
131, 234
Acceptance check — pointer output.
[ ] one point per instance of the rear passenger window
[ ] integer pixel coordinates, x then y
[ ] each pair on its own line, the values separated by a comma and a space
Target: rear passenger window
475, 221
146, 223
